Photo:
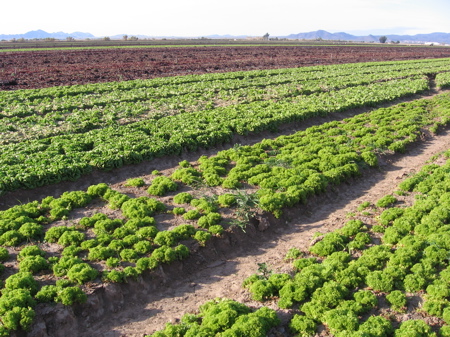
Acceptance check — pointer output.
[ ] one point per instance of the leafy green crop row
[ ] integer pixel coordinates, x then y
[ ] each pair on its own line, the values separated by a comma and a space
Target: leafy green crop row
41, 162
91, 248
341, 282
225, 318
168, 86
36, 114
443, 80
338, 286
289, 169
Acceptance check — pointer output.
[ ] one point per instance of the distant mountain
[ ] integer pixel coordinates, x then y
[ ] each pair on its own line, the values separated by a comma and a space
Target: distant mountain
40, 34
324, 35
443, 38
432, 37
321, 34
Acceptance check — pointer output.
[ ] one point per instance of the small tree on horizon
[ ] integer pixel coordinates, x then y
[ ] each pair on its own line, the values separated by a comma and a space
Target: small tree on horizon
266, 36
383, 39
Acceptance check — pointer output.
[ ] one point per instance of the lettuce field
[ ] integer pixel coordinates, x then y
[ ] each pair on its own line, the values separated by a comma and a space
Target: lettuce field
165, 205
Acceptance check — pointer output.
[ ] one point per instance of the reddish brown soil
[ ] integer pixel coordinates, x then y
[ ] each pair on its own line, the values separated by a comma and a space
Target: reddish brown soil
40, 69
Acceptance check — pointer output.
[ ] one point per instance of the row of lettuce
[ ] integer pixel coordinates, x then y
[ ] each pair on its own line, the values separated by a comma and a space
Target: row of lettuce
78, 114
34, 163
101, 138
284, 172
36, 114
93, 248
279, 83
206, 83
341, 282
289, 169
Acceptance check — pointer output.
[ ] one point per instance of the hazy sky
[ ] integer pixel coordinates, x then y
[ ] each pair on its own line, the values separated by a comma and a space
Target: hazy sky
236, 17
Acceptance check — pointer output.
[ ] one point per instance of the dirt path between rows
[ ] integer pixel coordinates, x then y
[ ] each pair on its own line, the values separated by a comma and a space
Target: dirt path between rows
222, 275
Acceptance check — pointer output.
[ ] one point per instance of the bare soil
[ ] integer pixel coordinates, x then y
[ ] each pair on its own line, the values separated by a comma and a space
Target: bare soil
48, 68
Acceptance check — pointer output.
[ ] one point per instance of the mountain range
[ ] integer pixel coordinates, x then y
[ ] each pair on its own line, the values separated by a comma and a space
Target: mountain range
40, 34
443, 38
324, 35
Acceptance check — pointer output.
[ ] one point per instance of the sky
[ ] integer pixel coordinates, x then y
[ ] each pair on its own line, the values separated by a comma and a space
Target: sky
195, 18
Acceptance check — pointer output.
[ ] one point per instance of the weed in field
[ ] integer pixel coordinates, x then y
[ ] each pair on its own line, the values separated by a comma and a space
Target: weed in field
245, 209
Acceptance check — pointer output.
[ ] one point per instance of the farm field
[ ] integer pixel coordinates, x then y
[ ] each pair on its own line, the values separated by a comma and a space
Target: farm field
39, 69
54, 135
183, 187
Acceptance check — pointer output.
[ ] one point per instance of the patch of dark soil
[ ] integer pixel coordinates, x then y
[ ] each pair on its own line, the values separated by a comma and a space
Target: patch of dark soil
48, 68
